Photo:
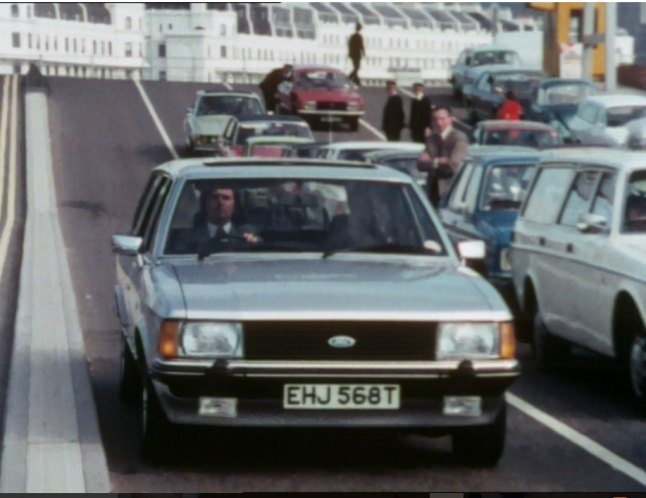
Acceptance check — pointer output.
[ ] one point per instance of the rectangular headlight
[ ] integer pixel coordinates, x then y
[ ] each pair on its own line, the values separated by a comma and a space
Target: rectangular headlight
505, 259
459, 341
211, 339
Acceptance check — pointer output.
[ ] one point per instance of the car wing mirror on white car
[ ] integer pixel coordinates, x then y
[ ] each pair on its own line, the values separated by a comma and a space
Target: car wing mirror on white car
126, 244
472, 254
592, 223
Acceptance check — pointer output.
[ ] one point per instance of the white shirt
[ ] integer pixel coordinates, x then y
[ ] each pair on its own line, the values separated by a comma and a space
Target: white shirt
214, 228
446, 132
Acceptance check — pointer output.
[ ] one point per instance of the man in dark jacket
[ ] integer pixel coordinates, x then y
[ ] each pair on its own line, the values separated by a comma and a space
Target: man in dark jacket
393, 117
356, 51
270, 83
446, 148
420, 113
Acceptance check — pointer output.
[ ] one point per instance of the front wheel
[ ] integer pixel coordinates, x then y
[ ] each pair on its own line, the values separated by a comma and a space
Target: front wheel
155, 428
129, 376
637, 370
482, 445
547, 348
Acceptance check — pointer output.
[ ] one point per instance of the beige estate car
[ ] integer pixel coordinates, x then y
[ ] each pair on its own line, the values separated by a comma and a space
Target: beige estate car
579, 264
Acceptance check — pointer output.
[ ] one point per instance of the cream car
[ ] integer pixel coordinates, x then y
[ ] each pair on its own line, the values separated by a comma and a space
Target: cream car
578, 259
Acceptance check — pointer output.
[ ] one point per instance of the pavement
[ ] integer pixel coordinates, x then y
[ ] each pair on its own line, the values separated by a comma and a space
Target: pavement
51, 441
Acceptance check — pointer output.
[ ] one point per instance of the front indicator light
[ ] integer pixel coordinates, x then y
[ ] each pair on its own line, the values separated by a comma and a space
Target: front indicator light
507, 341
168, 343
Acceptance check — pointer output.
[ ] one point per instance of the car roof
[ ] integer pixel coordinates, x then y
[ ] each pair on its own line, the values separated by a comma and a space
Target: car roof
491, 67
375, 143
505, 124
597, 156
502, 70
270, 118
502, 153
272, 139
617, 100
250, 168
488, 48
204, 93
388, 153
566, 81
315, 67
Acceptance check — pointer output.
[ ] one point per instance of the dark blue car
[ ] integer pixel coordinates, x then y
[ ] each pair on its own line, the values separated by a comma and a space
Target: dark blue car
482, 202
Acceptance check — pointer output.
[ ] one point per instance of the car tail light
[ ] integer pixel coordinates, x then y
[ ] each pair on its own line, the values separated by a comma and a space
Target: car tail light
237, 150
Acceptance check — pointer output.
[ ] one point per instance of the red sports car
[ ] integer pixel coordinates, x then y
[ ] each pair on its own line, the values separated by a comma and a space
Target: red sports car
320, 93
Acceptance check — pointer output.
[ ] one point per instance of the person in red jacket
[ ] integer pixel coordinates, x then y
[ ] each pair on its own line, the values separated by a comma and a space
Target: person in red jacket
510, 108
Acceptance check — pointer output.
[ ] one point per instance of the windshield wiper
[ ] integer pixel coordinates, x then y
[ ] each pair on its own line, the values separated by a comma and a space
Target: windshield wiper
247, 247
387, 248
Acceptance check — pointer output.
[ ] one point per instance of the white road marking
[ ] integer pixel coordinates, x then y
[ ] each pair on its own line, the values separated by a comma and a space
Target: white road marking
156, 120
580, 440
6, 82
11, 184
372, 129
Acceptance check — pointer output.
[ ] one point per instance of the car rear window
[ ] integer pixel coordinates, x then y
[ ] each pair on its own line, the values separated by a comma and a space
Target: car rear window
303, 215
322, 79
505, 186
228, 105
272, 129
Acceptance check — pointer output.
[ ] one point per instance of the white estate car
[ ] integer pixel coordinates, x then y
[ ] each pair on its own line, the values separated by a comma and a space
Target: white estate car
578, 258
604, 119
357, 150
472, 60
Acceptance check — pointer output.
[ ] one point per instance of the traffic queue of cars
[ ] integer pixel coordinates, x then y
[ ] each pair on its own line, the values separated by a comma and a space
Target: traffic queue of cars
274, 291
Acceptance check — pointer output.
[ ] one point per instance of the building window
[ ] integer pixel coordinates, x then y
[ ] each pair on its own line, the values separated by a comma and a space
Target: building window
14, 11
103, 47
162, 50
223, 52
160, 28
67, 44
47, 43
223, 30
128, 23
170, 27
29, 40
94, 47
110, 49
74, 44
128, 49
15, 40
162, 75
55, 43
16, 68
82, 45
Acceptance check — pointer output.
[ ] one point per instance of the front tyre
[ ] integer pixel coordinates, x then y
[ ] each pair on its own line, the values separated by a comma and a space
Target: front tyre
129, 376
547, 349
155, 428
637, 370
482, 446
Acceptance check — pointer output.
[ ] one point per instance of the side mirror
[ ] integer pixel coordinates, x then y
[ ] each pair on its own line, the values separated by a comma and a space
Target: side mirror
472, 254
126, 244
592, 223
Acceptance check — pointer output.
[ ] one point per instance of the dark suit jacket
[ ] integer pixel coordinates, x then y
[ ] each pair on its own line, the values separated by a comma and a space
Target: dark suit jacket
455, 148
420, 113
186, 241
355, 46
393, 116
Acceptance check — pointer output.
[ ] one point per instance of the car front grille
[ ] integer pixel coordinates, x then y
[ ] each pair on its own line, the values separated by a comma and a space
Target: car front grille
331, 106
376, 341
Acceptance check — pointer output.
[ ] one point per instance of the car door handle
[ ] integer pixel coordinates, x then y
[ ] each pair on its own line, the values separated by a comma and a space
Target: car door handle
541, 241
569, 248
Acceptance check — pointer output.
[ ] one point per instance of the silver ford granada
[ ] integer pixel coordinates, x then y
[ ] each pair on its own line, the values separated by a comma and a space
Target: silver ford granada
307, 293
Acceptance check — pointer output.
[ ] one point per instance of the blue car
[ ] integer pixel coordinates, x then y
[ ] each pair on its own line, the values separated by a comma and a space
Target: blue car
482, 202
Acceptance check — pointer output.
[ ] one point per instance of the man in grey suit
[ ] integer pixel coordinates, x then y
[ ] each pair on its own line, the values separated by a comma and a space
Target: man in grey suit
446, 148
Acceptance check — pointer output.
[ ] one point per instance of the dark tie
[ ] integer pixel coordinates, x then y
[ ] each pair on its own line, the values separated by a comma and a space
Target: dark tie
220, 233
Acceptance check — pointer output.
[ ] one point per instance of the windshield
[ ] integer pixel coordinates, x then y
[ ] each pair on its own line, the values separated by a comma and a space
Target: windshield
619, 116
504, 187
272, 129
526, 138
520, 84
495, 57
286, 215
322, 79
570, 93
229, 105
635, 212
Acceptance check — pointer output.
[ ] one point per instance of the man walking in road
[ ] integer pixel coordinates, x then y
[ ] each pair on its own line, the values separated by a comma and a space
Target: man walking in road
393, 117
270, 83
420, 113
356, 51
445, 150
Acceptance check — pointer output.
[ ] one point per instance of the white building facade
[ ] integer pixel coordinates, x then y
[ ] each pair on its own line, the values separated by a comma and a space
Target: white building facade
73, 39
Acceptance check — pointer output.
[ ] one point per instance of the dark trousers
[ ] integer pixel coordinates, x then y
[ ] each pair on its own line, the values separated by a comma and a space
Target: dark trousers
354, 75
392, 135
417, 135
270, 102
